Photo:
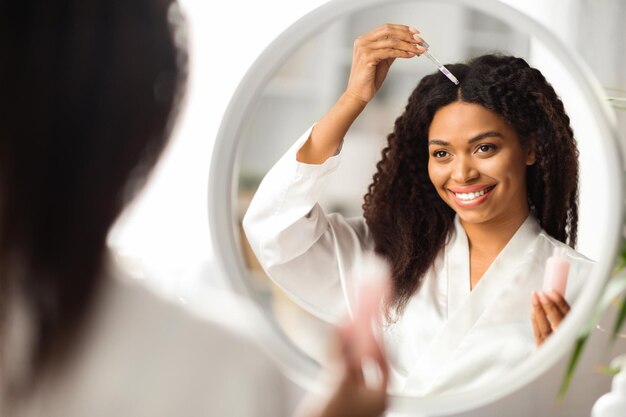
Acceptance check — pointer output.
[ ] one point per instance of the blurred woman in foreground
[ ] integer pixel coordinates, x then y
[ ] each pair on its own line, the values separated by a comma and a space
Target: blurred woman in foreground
90, 93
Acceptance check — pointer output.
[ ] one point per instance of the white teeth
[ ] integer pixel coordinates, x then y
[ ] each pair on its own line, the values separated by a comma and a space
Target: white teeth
471, 196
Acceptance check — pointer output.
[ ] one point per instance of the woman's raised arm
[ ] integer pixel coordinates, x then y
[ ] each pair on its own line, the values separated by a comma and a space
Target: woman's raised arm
372, 56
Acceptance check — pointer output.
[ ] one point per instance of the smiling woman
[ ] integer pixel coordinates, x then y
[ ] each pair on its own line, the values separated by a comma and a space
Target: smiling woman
463, 206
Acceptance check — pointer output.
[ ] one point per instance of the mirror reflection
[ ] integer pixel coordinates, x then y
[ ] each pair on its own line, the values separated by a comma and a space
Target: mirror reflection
469, 192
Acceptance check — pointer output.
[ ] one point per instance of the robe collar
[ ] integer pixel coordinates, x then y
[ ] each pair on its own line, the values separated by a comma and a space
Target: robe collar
457, 260
466, 308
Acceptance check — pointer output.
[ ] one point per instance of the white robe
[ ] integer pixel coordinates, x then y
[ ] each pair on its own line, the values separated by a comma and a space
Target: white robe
449, 338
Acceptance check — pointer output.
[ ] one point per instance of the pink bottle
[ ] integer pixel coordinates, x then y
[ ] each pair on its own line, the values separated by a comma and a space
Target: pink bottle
557, 269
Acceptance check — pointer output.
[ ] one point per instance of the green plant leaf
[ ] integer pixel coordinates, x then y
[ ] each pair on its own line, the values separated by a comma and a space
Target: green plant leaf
615, 89
612, 290
609, 371
621, 262
571, 367
616, 97
619, 321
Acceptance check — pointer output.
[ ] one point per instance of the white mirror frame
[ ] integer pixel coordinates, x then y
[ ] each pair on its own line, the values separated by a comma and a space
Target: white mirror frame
222, 202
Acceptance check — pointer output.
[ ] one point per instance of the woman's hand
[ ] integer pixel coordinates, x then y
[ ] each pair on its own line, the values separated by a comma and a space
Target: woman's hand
548, 310
373, 55
361, 389
359, 385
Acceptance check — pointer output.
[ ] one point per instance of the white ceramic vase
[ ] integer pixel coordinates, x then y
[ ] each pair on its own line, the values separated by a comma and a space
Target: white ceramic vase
613, 403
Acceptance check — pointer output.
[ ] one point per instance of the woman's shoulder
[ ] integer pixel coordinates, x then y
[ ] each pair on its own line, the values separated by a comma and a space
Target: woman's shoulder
171, 358
223, 325
572, 254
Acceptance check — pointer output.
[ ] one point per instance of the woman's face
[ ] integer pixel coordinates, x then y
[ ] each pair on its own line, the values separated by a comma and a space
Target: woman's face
477, 164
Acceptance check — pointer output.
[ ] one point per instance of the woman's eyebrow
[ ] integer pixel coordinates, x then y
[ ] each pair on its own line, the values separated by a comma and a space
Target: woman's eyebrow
472, 140
489, 134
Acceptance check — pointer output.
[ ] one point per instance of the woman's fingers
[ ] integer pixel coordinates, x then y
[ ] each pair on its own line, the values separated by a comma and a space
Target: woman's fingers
377, 55
539, 315
392, 37
349, 356
555, 315
559, 301
380, 359
548, 310
402, 32
536, 331
395, 44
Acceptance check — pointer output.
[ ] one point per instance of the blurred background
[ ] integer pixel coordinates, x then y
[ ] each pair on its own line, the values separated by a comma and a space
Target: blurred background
164, 236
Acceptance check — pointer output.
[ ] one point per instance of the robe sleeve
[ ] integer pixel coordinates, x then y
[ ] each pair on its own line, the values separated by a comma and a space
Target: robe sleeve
306, 252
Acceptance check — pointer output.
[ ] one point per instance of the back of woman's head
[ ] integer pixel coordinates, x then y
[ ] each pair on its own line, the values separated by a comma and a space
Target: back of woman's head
89, 88
410, 222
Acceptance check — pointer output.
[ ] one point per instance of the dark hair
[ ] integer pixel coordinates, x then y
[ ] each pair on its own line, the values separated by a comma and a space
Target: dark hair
408, 220
88, 96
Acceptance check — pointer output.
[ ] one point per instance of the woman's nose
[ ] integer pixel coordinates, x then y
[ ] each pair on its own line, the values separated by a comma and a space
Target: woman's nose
463, 171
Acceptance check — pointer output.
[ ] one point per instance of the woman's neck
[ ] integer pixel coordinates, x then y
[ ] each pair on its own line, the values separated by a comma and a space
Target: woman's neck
491, 237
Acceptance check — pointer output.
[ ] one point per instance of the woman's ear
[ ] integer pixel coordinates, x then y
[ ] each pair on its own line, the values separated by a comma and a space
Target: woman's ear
531, 157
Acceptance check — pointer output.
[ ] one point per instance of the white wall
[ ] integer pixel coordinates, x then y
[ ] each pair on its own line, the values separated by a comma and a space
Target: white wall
166, 230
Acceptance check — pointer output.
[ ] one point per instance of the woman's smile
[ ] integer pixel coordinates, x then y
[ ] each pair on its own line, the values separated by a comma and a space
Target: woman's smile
471, 196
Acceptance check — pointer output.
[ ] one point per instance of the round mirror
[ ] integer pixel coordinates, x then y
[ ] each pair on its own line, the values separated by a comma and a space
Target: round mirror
299, 77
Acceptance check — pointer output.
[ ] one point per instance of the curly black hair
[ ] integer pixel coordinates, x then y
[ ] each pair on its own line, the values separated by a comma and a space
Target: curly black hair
521, 95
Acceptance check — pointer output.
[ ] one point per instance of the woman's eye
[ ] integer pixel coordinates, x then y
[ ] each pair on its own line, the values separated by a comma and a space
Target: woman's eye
485, 148
440, 154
